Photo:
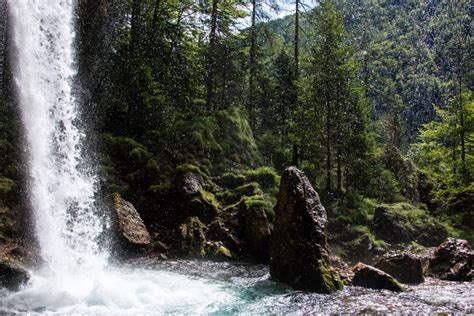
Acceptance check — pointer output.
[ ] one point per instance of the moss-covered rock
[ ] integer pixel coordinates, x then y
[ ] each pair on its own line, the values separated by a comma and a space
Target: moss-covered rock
256, 227
370, 277
193, 237
403, 223
266, 177
232, 180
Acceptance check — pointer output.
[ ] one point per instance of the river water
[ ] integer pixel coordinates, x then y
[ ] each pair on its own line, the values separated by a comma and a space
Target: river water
218, 288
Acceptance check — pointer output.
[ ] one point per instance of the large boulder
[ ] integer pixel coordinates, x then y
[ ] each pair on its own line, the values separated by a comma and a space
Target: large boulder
404, 267
452, 261
129, 225
12, 277
373, 278
299, 251
403, 223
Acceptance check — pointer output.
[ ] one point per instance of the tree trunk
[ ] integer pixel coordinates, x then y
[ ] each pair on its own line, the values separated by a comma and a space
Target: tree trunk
252, 65
328, 147
211, 57
297, 57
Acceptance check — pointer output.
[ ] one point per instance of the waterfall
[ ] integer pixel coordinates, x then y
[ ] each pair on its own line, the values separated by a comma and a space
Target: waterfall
62, 183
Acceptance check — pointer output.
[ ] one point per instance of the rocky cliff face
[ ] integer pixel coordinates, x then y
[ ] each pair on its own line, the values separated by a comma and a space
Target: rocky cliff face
299, 251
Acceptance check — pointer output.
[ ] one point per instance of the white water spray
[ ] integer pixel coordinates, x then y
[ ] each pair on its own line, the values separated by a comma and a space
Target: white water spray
62, 186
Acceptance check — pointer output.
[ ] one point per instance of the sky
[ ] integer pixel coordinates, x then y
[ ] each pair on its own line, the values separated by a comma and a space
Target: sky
288, 7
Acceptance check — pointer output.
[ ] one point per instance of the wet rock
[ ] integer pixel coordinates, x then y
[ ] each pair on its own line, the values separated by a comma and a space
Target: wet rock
130, 227
452, 261
404, 267
257, 229
12, 277
218, 230
373, 278
194, 200
403, 223
193, 237
299, 251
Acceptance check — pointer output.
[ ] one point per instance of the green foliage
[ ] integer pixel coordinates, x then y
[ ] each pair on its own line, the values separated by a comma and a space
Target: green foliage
444, 154
331, 125
7, 189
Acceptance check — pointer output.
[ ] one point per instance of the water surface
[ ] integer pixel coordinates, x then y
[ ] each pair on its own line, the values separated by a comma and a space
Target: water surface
201, 288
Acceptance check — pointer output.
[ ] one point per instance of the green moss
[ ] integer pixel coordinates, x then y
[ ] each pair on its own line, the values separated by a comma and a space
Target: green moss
266, 177
160, 188
224, 251
233, 196
231, 180
397, 287
260, 201
189, 167
209, 198
7, 187
331, 281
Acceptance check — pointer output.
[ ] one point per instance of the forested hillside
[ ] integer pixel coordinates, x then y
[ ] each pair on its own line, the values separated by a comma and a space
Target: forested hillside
372, 99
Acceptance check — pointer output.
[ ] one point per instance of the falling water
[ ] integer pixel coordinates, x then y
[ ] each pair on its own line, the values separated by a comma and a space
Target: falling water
62, 185
68, 227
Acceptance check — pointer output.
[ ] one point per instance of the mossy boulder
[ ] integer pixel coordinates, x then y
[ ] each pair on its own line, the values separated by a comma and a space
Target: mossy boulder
404, 223
192, 233
194, 200
299, 251
234, 196
256, 227
373, 278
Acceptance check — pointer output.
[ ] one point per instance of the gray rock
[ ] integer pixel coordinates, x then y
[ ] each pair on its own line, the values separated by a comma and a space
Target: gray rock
129, 224
452, 261
406, 268
299, 251
373, 278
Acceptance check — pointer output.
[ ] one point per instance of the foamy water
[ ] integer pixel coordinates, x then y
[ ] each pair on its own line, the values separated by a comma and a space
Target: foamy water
203, 288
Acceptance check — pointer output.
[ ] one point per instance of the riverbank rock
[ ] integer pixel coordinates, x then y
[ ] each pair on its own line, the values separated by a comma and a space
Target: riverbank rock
406, 268
299, 251
403, 223
130, 226
12, 277
193, 237
373, 278
194, 200
452, 261
257, 230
